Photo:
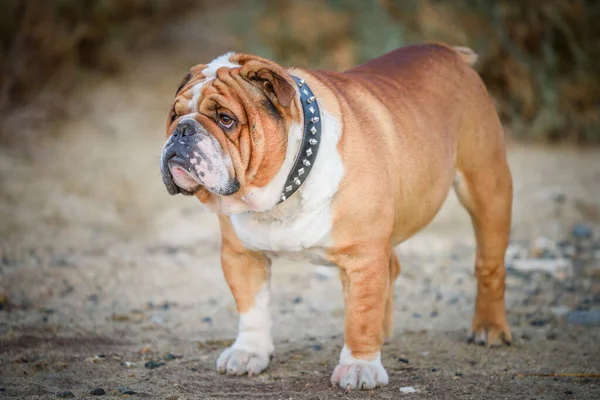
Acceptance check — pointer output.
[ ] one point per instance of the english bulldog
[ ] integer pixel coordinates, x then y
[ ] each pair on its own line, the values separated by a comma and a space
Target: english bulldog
341, 167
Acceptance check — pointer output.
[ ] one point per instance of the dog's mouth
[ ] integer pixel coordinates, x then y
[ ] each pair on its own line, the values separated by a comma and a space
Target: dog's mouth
186, 169
178, 177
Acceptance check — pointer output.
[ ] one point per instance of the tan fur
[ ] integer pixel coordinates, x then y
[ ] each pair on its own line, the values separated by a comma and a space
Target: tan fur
411, 120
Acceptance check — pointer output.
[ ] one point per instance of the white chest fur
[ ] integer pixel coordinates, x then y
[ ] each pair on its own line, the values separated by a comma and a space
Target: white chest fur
301, 224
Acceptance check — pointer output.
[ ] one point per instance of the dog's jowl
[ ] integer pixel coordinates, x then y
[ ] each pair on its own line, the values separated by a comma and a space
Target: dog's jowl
340, 167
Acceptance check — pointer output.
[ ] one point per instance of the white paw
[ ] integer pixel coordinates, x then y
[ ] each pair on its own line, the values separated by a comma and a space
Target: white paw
352, 373
240, 362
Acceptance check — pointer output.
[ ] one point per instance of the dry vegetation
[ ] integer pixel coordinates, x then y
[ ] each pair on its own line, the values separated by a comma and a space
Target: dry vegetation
539, 59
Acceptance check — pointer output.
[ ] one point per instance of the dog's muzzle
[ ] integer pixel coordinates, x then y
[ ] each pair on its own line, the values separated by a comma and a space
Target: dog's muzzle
197, 157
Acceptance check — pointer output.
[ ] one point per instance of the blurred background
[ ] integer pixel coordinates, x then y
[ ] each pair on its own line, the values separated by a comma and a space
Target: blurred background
102, 272
539, 59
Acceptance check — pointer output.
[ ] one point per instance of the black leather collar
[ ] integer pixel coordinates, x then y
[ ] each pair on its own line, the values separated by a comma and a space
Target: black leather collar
311, 139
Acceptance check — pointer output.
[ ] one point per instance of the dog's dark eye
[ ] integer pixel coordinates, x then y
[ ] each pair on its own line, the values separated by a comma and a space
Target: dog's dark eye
225, 120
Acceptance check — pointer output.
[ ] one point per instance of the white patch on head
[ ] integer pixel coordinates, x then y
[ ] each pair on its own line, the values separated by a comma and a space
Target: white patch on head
352, 373
301, 223
252, 349
210, 73
222, 61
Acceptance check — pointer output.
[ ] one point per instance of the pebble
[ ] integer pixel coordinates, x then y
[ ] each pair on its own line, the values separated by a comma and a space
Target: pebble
171, 357
416, 315
584, 318
558, 267
317, 347
434, 314
560, 311
65, 395
408, 389
403, 360
128, 364
297, 300
153, 364
124, 390
544, 248
207, 320
581, 231
157, 320
98, 392
538, 322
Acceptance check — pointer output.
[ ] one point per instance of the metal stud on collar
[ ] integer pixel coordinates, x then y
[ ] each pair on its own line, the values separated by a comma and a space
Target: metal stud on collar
310, 141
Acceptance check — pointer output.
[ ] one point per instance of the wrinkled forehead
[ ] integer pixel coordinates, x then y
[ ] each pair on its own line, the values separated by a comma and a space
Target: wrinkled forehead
200, 76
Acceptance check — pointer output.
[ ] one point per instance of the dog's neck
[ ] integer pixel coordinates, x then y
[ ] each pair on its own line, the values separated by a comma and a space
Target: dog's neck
311, 140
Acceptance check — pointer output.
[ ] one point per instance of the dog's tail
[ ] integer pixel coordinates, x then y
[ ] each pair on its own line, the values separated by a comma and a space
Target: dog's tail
466, 54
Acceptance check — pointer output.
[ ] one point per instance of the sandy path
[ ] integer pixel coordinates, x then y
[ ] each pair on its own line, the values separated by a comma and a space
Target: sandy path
89, 238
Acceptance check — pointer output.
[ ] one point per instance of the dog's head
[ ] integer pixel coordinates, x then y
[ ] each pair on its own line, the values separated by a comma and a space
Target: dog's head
227, 131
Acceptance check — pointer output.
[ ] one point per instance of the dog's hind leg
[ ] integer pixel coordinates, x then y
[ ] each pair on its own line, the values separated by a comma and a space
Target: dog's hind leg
484, 187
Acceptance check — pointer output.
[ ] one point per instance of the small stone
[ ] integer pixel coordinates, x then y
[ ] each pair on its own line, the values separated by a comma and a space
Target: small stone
207, 320
416, 315
171, 357
157, 320
551, 336
434, 369
584, 318
434, 314
403, 360
98, 392
459, 374
538, 322
560, 311
65, 395
568, 392
424, 353
95, 359
153, 364
581, 231
173, 397
128, 364
408, 389
317, 347
297, 300
124, 390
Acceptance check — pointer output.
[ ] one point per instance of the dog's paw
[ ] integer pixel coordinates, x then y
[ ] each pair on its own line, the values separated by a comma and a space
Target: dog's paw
490, 334
361, 375
352, 373
240, 362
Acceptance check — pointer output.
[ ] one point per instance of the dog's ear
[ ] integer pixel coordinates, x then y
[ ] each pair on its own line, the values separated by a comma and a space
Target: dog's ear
276, 83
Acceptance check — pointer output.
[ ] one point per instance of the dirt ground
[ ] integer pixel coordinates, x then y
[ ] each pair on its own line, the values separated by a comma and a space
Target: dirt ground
101, 271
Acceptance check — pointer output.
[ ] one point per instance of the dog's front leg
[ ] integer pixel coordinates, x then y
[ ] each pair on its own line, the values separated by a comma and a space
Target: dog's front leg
247, 274
365, 279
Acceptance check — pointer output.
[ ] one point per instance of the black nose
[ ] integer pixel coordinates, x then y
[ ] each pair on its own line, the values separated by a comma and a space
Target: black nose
184, 128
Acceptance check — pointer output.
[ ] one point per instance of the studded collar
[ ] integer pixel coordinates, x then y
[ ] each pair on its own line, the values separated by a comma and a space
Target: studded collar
311, 138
